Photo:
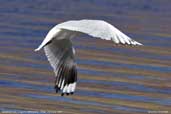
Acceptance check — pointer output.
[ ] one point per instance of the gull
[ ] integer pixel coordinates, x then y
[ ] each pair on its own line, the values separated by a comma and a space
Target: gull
60, 52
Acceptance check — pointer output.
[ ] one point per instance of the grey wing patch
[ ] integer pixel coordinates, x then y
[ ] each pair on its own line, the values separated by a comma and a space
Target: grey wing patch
61, 57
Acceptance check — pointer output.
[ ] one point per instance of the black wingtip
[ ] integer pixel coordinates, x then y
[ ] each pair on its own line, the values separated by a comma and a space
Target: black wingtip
56, 88
67, 94
62, 94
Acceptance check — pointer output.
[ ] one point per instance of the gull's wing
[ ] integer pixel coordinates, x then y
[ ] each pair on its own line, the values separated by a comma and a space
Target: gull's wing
99, 29
60, 54
95, 28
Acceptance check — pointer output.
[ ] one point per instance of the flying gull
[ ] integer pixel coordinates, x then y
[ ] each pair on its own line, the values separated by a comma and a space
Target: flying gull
60, 52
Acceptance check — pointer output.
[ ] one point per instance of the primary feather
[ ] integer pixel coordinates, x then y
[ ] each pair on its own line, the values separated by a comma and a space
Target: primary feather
60, 53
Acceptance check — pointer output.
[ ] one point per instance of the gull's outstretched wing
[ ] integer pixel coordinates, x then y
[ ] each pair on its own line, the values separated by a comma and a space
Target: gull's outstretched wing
99, 29
60, 54
95, 28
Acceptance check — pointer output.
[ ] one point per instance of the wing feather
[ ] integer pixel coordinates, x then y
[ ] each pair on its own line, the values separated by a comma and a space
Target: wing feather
95, 28
99, 29
61, 57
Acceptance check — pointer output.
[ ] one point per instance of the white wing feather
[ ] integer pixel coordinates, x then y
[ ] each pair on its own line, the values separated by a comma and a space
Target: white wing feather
99, 29
61, 57
95, 28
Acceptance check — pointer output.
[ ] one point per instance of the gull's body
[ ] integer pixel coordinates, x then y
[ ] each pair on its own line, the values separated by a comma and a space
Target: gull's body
60, 53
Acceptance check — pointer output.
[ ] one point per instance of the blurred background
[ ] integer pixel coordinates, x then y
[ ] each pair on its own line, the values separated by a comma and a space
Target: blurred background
113, 79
